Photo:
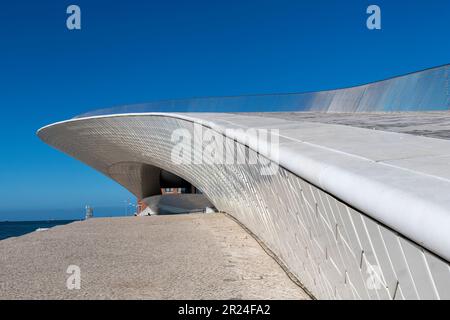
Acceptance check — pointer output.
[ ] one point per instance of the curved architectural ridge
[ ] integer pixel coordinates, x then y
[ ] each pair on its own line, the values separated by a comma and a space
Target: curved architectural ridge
426, 90
331, 213
354, 213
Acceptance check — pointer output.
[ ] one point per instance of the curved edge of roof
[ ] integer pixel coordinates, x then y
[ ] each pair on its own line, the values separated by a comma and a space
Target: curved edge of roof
382, 192
295, 100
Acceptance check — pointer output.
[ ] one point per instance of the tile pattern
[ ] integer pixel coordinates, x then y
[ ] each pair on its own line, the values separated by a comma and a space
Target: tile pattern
431, 124
334, 250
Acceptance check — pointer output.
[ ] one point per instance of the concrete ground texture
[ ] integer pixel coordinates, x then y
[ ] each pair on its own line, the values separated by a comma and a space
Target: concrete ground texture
191, 256
432, 124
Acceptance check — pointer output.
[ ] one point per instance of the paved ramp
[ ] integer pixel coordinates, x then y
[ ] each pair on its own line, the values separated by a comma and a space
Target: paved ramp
195, 256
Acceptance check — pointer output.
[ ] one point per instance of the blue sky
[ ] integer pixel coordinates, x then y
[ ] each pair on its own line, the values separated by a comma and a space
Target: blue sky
138, 51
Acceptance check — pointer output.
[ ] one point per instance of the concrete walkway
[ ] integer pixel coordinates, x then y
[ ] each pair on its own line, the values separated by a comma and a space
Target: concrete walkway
196, 256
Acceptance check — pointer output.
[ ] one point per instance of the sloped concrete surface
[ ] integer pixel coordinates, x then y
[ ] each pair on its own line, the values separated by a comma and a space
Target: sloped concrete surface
194, 256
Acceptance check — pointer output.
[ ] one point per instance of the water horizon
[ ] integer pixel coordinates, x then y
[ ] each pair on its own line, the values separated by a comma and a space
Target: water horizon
16, 223
40, 215
11, 229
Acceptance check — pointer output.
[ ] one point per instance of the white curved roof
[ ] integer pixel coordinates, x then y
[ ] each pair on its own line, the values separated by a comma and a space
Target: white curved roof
400, 180
397, 180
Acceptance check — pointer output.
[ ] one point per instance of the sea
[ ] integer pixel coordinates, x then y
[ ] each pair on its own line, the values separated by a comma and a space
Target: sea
10, 229
18, 223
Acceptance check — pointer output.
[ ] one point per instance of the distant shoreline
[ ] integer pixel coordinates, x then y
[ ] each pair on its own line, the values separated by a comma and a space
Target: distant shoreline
37, 221
12, 229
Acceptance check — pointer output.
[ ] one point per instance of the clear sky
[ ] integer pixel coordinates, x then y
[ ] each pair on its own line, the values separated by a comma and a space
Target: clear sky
137, 51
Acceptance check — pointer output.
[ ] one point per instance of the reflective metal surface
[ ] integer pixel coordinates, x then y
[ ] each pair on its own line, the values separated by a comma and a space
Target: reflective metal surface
420, 91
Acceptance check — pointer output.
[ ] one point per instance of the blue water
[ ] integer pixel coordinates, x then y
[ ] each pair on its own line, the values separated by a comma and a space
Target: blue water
18, 228
62, 214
